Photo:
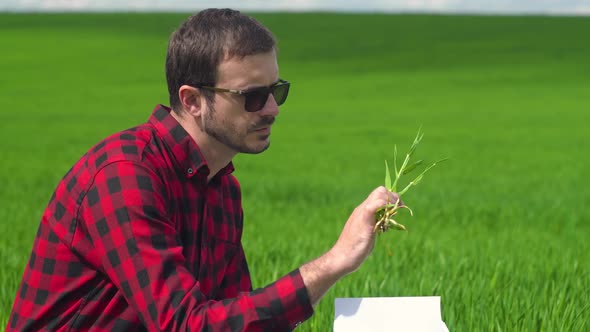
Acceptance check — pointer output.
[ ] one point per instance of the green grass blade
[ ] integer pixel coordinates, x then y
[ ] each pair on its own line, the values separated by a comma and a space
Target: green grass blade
395, 159
419, 177
387, 177
412, 167
397, 172
416, 141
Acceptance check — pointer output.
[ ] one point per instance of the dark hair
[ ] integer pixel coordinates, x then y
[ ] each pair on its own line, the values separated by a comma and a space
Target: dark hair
198, 46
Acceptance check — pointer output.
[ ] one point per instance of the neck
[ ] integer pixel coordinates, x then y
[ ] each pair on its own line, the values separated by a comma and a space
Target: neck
216, 154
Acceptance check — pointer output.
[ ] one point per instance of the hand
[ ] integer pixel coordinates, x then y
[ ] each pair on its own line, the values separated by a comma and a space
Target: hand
352, 248
358, 238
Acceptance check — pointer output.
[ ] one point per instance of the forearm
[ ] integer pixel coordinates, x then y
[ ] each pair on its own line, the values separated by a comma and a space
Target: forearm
280, 306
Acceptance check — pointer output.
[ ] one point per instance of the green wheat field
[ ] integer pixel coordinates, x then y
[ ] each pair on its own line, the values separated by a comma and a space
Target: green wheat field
500, 232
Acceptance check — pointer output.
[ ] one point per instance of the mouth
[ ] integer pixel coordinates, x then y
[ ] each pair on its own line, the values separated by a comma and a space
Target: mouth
263, 130
263, 126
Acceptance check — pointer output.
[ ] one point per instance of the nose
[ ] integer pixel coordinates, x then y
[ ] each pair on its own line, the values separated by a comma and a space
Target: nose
270, 108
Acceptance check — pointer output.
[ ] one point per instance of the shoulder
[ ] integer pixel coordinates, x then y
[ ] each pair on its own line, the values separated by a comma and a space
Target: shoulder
124, 159
139, 145
127, 145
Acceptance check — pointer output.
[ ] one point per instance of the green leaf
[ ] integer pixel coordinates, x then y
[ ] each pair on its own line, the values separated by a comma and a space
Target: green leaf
395, 160
440, 161
412, 167
416, 141
419, 177
387, 177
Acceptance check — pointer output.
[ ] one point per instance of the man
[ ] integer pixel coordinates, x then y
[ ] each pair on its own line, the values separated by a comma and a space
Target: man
144, 232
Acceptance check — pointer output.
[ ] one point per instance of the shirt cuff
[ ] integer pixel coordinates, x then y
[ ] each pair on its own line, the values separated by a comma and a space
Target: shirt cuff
294, 299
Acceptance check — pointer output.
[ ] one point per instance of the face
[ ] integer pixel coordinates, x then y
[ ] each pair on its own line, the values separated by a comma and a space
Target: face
226, 120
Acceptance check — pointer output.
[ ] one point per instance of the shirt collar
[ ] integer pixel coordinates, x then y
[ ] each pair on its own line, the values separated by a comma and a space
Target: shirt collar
183, 147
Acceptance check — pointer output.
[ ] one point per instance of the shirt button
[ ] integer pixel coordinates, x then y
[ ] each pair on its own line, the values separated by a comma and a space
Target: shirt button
190, 171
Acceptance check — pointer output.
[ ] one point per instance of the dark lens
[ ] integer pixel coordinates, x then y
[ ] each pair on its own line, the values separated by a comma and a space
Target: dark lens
255, 100
280, 92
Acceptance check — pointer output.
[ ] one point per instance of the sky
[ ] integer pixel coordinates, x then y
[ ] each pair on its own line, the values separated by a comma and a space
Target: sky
575, 7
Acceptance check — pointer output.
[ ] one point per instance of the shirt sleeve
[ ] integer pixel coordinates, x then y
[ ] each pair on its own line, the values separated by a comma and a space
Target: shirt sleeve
124, 210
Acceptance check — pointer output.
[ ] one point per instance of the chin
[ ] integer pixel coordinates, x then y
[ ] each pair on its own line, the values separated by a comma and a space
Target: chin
256, 149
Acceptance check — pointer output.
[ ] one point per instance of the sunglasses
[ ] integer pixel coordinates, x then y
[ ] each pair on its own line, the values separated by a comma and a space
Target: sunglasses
256, 97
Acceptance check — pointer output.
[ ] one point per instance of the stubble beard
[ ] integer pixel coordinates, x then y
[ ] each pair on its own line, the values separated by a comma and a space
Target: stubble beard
228, 134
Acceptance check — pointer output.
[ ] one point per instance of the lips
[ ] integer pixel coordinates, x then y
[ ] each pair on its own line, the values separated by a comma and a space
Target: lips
264, 130
263, 126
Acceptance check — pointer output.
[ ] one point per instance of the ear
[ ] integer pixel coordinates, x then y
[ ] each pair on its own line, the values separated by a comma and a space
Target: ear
192, 100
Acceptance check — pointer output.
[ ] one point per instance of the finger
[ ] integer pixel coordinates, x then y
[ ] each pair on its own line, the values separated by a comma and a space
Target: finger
377, 193
381, 193
375, 204
394, 197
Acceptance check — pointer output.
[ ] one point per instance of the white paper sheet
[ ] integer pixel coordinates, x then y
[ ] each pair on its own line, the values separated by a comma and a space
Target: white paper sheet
386, 314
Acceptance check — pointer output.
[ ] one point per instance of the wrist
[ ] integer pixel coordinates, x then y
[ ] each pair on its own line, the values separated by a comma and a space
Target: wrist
337, 263
321, 274
325, 267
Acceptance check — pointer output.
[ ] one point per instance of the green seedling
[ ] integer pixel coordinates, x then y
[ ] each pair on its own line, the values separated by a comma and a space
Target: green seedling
384, 215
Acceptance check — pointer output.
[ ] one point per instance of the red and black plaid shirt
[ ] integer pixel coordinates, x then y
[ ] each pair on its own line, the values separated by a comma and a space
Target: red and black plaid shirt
135, 239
